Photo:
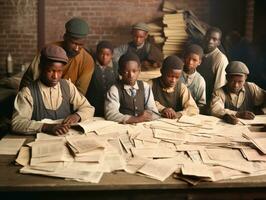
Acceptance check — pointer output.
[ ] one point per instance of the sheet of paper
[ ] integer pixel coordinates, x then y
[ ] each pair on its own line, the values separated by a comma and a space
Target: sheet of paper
259, 119
159, 169
154, 152
24, 156
10, 146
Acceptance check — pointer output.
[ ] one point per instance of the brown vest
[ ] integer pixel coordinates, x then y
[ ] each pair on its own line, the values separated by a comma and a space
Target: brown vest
39, 110
169, 100
131, 105
247, 105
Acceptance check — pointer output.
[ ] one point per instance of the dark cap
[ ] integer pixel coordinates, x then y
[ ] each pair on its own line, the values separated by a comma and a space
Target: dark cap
54, 53
77, 28
237, 67
172, 62
141, 26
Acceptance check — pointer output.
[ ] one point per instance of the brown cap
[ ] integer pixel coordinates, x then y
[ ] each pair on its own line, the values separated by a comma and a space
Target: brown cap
237, 67
141, 26
54, 53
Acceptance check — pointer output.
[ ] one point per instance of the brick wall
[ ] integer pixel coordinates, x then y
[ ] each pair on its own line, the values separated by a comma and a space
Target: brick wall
108, 19
249, 20
18, 31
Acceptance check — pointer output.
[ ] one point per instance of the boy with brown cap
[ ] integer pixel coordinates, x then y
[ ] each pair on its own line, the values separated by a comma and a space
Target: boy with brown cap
238, 98
130, 101
150, 56
80, 64
50, 97
172, 98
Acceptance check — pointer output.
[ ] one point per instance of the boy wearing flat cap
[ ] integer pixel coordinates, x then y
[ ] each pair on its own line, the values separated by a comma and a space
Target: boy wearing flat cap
238, 98
50, 97
104, 76
172, 98
80, 64
130, 101
150, 56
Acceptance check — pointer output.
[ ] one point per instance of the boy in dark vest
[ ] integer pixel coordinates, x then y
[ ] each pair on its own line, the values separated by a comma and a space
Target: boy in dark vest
238, 98
150, 55
104, 76
173, 99
50, 97
130, 101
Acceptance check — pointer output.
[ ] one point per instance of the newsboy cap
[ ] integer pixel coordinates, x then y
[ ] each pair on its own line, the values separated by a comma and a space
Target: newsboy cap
54, 53
141, 26
237, 67
77, 28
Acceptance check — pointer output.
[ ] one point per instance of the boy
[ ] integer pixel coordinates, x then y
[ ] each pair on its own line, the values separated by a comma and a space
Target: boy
191, 78
172, 97
130, 101
104, 76
50, 97
150, 56
238, 98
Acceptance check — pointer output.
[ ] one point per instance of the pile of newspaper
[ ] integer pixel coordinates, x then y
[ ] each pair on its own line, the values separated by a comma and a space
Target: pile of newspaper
199, 148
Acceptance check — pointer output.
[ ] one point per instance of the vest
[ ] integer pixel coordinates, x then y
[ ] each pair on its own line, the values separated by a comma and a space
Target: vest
142, 53
100, 83
131, 105
39, 110
169, 100
247, 105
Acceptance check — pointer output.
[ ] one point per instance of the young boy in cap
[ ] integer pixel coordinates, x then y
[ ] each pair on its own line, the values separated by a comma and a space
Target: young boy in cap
50, 97
150, 56
130, 101
80, 64
213, 63
191, 78
238, 98
104, 76
172, 97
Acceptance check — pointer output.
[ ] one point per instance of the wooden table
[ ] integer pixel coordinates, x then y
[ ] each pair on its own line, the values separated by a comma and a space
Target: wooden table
121, 185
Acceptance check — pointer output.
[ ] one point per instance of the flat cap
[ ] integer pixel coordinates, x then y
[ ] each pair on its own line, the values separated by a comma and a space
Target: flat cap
77, 28
54, 53
237, 67
141, 26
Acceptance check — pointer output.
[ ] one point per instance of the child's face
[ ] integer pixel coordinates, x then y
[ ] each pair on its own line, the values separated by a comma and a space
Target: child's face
192, 61
105, 56
171, 77
130, 73
235, 82
139, 37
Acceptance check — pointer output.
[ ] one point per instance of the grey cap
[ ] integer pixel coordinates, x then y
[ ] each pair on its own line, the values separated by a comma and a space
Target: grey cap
141, 26
237, 67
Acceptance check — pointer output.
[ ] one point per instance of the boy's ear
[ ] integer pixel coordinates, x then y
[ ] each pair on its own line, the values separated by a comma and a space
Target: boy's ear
200, 61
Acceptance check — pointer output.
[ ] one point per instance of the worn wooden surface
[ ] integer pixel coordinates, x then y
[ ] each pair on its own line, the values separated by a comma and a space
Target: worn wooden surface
126, 186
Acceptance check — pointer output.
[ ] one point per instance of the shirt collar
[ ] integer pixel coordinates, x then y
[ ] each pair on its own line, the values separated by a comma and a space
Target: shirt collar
109, 65
45, 87
211, 53
189, 76
166, 89
128, 87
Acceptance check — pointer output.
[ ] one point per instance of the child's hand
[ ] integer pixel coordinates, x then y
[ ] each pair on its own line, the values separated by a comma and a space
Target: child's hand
169, 113
71, 119
146, 116
231, 119
245, 115
55, 129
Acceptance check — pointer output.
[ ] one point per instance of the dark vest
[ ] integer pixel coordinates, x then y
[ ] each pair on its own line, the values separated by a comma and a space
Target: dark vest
131, 105
100, 83
39, 110
247, 105
142, 53
169, 100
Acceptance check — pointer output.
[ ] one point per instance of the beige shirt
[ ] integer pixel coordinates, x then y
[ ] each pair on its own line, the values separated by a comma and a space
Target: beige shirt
188, 103
218, 100
52, 98
212, 69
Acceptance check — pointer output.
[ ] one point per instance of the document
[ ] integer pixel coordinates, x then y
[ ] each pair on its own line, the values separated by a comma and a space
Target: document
159, 169
23, 156
10, 146
259, 119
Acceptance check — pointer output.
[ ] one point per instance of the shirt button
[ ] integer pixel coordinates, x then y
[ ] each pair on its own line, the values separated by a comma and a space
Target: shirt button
135, 100
136, 107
